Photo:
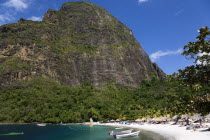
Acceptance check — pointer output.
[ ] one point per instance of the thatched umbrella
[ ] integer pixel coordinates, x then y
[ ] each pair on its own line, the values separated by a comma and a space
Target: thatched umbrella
143, 119
166, 118
196, 117
138, 120
118, 120
158, 119
153, 119
149, 119
175, 117
207, 117
185, 116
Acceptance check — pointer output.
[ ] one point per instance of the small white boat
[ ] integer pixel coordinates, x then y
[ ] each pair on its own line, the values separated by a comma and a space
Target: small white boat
41, 124
61, 123
127, 135
119, 128
121, 132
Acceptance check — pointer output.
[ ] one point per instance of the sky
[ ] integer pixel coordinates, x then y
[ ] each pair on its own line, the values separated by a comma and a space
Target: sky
162, 27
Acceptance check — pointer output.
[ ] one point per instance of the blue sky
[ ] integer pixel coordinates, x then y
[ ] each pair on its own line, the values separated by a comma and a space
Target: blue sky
162, 27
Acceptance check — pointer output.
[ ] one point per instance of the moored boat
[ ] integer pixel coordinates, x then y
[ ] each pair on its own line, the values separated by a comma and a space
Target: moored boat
121, 132
41, 124
119, 128
132, 134
61, 123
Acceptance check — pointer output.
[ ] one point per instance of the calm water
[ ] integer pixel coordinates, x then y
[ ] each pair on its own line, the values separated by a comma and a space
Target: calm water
68, 132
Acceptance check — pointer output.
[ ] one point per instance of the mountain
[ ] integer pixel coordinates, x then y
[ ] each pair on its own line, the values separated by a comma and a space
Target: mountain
80, 43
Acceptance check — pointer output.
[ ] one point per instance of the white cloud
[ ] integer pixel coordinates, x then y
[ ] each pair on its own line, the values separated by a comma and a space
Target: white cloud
204, 62
142, 1
34, 18
19, 5
5, 18
158, 54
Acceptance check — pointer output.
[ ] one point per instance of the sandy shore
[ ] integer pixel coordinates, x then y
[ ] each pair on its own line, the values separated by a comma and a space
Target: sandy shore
171, 132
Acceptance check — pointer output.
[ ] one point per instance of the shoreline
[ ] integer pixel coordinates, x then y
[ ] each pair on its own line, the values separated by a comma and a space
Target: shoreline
170, 132
40, 123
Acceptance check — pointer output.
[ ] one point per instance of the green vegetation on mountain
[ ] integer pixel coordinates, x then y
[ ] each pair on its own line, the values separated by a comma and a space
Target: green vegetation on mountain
13, 64
43, 100
81, 62
80, 43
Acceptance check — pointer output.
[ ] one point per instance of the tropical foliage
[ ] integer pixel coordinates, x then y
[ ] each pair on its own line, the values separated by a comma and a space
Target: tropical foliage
44, 100
198, 75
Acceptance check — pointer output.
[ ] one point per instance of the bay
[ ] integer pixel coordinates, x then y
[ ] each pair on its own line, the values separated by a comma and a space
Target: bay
68, 132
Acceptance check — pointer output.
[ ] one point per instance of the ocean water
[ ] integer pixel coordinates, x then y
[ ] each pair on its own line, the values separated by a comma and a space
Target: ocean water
68, 132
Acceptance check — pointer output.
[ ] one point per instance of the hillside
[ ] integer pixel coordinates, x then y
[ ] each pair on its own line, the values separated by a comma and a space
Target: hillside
80, 43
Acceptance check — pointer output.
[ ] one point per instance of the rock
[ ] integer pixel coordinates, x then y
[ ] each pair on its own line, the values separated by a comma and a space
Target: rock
79, 43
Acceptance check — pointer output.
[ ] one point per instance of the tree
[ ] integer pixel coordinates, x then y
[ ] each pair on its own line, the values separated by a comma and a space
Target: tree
198, 75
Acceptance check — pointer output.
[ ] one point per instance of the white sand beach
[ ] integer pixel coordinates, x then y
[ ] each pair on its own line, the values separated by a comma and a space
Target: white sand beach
169, 131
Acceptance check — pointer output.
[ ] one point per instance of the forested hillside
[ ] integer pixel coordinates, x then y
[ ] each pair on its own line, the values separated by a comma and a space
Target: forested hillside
43, 100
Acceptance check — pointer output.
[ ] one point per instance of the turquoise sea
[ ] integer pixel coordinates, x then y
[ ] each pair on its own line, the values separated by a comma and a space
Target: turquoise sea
68, 132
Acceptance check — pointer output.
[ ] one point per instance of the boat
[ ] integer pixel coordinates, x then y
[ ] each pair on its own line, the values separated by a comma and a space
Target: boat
61, 123
132, 134
121, 132
41, 124
12, 134
119, 128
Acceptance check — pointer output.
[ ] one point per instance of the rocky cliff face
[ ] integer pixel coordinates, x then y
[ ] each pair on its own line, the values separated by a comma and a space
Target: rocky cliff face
79, 43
